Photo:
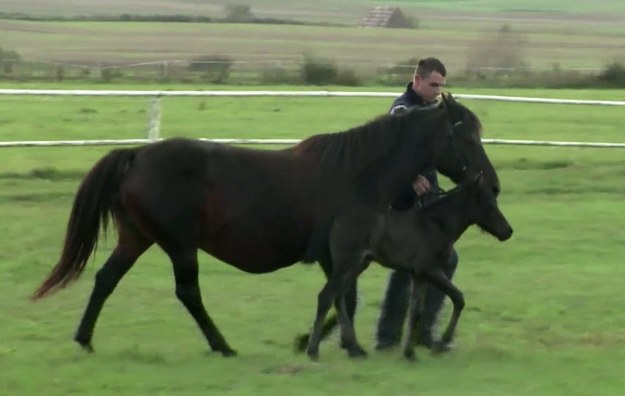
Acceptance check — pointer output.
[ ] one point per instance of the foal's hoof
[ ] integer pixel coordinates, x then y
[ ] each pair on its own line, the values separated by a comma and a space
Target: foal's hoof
313, 355
301, 342
357, 353
440, 347
85, 345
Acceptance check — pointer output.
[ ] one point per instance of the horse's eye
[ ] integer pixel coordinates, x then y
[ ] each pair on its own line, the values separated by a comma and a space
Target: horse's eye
496, 190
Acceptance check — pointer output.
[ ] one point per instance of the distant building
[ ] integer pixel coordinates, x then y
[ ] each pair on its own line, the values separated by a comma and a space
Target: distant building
386, 16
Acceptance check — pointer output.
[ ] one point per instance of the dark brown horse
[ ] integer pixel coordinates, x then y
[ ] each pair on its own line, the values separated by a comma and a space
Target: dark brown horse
257, 210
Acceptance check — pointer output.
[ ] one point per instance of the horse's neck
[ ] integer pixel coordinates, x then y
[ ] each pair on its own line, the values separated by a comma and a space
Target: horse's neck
451, 217
378, 159
392, 172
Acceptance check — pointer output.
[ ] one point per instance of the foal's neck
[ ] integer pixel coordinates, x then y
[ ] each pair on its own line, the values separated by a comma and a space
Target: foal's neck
450, 215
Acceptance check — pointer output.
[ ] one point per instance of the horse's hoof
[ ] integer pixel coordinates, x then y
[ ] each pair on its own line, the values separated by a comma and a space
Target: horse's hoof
357, 353
411, 356
228, 352
301, 342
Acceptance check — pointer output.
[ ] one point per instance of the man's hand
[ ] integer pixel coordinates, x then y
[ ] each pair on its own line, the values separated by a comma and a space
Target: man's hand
421, 185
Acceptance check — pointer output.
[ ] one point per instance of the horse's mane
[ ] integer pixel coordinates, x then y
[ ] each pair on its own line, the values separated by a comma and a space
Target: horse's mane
468, 117
353, 149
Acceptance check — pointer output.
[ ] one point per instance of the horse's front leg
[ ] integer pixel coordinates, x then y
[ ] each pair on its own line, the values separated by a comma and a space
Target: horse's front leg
438, 279
188, 292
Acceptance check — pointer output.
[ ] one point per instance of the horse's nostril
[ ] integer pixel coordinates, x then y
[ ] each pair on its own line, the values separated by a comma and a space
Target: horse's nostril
508, 234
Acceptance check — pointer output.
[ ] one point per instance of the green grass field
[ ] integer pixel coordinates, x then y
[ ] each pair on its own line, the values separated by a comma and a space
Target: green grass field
543, 313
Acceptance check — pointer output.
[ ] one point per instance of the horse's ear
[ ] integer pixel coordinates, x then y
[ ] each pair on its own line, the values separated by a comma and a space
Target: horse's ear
452, 107
444, 100
451, 99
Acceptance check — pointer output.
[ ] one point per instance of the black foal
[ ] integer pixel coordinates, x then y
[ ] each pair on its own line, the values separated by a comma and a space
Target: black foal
418, 241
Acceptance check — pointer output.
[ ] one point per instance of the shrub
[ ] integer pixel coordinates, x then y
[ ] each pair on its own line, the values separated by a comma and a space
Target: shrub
613, 75
8, 60
216, 68
318, 71
276, 75
497, 56
238, 13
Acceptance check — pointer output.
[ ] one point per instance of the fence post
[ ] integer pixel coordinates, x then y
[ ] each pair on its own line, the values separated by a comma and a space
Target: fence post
154, 127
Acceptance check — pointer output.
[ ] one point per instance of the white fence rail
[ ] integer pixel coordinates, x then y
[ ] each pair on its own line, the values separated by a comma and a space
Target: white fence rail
155, 114
110, 142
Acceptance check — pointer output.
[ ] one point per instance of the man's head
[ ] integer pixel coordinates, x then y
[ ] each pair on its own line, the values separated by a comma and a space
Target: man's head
429, 78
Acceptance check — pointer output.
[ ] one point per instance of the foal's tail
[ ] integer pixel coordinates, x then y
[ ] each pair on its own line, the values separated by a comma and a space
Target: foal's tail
94, 202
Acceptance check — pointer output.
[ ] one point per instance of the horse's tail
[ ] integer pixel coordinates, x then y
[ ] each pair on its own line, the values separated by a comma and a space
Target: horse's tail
93, 204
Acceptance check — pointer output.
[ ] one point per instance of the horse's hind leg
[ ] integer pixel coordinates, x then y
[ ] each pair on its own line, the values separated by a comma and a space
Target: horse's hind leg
188, 292
441, 281
129, 247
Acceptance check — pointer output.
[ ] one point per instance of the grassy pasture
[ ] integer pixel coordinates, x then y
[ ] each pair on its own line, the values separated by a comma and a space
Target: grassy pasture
573, 47
543, 310
566, 35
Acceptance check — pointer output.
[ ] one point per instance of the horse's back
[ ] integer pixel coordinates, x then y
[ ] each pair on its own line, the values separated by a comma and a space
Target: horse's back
258, 210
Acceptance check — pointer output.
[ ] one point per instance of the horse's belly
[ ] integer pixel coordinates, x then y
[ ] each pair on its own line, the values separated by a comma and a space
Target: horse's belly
256, 246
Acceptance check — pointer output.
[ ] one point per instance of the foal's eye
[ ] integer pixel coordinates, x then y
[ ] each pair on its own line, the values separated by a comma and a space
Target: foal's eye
496, 190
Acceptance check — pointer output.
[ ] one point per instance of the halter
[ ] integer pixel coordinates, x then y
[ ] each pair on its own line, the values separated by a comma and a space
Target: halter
452, 140
433, 197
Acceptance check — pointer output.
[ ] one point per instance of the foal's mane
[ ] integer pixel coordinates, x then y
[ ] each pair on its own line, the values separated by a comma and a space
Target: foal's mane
353, 150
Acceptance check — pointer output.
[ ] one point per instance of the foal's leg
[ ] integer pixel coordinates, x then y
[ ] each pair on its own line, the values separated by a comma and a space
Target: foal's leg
438, 279
417, 297
185, 265
351, 300
129, 247
325, 298
348, 333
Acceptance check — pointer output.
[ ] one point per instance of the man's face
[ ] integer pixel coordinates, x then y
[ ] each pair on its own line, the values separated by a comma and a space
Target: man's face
429, 87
